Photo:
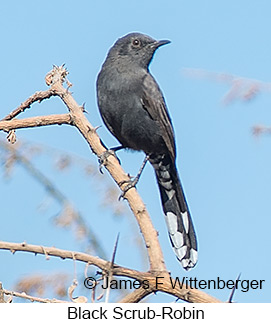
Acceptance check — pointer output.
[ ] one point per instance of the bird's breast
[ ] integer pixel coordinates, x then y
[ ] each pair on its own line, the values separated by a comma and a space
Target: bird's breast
121, 106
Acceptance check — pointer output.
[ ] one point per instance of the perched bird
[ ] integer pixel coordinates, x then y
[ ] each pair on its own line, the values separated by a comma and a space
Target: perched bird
133, 108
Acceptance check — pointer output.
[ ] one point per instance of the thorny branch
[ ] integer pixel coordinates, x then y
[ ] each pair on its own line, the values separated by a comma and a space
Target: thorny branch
55, 80
36, 122
36, 97
32, 298
185, 293
58, 76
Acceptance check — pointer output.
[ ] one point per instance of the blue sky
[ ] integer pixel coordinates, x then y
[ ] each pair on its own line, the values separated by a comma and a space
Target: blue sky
224, 169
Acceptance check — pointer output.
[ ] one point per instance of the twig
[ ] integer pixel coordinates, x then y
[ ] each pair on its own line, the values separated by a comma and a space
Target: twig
32, 298
38, 96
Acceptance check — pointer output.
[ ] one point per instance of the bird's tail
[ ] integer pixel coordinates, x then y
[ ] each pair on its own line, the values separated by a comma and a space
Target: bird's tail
180, 227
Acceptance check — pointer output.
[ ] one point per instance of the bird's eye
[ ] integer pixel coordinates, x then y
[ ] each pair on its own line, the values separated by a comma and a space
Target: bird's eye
136, 42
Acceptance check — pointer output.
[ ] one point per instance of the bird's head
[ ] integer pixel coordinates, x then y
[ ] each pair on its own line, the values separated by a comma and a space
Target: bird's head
135, 48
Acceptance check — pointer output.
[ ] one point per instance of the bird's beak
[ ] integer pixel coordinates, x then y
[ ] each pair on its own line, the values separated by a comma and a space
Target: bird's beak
163, 42
159, 43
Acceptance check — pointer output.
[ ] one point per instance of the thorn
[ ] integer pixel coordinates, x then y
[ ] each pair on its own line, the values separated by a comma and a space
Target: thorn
98, 127
45, 253
115, 250
69, 84
83, 107
90, 129
111, 267
234, 289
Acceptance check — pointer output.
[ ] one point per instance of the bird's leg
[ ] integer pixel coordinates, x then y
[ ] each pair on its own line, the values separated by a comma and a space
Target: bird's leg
133, 181
110, 152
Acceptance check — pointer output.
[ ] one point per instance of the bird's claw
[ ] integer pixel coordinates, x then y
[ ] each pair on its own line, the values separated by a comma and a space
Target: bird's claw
131, 183
103, 158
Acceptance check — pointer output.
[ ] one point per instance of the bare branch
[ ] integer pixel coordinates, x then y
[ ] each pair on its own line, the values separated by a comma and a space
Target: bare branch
55, 78
112, 165
166, 282
38, 96
56, 119
32, 298
136, 296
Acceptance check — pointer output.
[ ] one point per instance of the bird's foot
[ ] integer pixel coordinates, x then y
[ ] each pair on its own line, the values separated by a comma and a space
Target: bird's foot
104, 156
131, 183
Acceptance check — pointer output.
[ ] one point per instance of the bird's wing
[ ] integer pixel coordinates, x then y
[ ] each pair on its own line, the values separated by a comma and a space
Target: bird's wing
153, 101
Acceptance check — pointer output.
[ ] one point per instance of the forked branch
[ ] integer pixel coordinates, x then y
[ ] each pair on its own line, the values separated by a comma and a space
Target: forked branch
76, 117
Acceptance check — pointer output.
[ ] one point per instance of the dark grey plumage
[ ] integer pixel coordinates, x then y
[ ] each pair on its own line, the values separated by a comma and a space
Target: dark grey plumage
134, 110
